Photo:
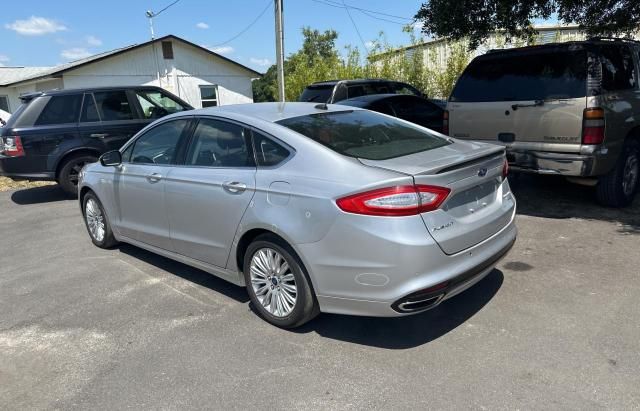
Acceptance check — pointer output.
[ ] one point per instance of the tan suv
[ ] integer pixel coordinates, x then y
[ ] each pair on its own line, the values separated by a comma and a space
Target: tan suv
571, 109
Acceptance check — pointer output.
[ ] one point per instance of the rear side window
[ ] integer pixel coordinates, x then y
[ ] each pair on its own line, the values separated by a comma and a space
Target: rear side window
60, 110
523, 76
219, 144
617, 68
114, 106
268, 152
364, 134
89, 110
367, 89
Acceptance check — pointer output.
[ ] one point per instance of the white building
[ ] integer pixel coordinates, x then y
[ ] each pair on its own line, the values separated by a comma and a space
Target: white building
197, 75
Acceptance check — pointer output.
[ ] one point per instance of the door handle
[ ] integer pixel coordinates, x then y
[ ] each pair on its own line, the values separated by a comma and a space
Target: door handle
234, 187
98, 135
154, 177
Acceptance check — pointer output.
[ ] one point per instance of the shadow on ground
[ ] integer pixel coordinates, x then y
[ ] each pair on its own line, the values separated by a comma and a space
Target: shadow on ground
187, 272
412, 331
554, 197
39, 195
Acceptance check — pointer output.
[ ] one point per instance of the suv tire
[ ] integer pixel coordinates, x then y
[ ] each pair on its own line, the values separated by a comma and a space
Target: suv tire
68, 176
297, 303
618, 188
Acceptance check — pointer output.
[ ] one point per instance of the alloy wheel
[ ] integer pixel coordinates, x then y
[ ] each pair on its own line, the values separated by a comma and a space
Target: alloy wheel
630, 174
273, 282
95, 220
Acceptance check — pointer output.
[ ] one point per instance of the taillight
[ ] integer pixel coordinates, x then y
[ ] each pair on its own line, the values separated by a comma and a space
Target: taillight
593, 125
395, 201
12, 147
445, 122
505, 169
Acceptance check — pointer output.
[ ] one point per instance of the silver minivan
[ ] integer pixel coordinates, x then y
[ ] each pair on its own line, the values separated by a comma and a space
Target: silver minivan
570, 109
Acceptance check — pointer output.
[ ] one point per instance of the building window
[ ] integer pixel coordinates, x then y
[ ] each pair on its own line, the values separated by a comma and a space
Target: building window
209, 96
4, 103
167, 50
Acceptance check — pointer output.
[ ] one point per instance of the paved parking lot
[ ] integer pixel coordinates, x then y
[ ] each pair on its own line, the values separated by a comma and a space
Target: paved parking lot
556, 325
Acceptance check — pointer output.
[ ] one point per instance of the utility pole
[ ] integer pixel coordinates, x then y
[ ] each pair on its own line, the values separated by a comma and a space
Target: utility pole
279, 49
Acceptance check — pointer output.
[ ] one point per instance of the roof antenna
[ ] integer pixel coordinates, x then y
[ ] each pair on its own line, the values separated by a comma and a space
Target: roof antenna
322, 106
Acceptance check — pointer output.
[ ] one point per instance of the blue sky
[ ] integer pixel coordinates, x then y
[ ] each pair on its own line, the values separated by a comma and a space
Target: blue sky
46, 32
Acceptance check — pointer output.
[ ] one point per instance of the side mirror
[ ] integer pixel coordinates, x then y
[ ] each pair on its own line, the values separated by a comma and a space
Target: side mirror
111, 158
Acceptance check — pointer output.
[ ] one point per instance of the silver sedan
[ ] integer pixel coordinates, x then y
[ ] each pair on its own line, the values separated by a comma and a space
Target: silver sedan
313, 208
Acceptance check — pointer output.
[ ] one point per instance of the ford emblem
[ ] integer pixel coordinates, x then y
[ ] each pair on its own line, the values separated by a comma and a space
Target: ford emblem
482, 172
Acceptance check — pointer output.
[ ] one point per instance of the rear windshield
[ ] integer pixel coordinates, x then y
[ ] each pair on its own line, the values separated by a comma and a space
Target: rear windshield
518, 76
320, 94
364, 134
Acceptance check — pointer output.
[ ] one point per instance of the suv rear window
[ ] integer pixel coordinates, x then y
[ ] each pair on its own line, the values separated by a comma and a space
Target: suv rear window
320, 94
364, 134
523, 76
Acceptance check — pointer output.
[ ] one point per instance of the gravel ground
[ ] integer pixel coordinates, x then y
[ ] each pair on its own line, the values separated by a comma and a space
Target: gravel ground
556, 325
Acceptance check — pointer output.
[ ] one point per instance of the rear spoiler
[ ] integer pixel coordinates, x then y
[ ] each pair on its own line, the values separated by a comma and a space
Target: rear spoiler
25, 98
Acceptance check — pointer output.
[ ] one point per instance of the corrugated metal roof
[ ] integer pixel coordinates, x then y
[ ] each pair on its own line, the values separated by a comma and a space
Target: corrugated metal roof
12, 74
41, 72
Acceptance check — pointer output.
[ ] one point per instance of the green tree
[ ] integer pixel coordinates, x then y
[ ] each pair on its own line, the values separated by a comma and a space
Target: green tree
476, 19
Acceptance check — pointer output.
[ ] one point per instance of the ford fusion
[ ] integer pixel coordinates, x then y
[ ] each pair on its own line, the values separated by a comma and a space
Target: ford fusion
313, 208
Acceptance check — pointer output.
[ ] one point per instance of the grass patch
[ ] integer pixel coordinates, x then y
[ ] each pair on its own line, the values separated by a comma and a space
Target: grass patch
7, 184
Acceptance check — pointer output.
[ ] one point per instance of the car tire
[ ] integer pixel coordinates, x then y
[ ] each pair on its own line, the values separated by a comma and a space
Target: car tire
270, 283
97, 222
619, 187
69, 172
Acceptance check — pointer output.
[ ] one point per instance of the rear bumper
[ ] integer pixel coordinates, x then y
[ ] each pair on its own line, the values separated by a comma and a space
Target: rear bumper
21, 168
367, 272
588, 162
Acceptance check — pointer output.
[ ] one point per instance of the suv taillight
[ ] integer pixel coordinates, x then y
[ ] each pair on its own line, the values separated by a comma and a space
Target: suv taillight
505, 169
395, 201
445, 122
12, 146
593, 125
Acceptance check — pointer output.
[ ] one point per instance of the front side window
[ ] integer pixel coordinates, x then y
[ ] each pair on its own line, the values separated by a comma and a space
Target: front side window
158, 145
364, 134
268, 152
617, 68
156, 104
219, 144
209, 96
60, 110
540, 74
114, 105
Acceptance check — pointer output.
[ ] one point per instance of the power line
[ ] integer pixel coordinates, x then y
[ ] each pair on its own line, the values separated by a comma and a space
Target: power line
344, 5
176, 1
355, 27
246, 28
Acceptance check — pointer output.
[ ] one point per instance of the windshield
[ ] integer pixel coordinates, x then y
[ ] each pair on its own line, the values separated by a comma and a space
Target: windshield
523, 76
319, 94
365, 134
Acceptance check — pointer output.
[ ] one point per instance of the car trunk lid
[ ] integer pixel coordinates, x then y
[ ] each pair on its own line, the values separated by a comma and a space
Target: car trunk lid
477, 207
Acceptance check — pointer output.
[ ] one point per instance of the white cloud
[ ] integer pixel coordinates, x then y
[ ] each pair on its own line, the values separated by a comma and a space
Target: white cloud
222, 50
35, 26
75, 53
370, 44
260, 62
417, 26
3, 59
202, 25
93, 41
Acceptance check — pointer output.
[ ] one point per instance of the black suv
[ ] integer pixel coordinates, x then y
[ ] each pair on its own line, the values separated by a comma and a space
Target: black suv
53, 134
333, 91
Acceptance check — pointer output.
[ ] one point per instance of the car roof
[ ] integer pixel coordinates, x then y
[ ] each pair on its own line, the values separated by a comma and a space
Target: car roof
372, 98
270, 112
573, 45
353, 81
